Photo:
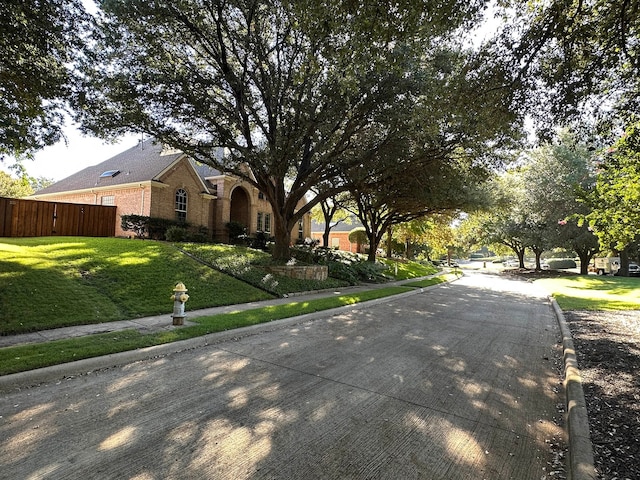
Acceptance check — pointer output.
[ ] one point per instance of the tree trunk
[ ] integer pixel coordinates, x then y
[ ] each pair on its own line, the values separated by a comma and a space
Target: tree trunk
538, 254
520, 254
585, 258
373, 247
624, 263
325, 235
282, 236
371, 257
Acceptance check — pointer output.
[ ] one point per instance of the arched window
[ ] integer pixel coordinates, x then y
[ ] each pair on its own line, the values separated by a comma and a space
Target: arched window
181, 205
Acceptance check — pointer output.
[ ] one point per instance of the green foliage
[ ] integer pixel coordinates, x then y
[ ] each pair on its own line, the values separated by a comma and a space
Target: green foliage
537, 203
301, 93
38, 44
561, 264
14, 187
615, 201
135, 223
250, 265
579, 54
359, 236
162, 228
236, 231
176, 234
350, 267
260, 241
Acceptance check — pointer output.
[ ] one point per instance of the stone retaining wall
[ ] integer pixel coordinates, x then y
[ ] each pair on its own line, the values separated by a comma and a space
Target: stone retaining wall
309, 272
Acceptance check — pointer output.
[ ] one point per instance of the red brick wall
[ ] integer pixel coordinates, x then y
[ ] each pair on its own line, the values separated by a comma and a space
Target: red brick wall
339, 238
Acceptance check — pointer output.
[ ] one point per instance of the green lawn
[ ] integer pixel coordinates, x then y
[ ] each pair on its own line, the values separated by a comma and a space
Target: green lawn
58, 281
594, 292
28, 357
403, 270
51, 282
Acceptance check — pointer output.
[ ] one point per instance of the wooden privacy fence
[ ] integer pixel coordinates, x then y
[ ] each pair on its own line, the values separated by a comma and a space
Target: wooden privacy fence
35, 218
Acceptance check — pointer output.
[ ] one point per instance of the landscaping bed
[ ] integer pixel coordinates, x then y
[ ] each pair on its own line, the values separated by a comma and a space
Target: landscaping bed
608, 350
603, 316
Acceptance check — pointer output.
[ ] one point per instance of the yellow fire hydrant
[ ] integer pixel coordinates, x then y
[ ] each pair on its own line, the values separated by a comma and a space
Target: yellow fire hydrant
179, 298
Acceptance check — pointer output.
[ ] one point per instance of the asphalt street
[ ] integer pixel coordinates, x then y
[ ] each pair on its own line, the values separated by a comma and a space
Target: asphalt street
460, 381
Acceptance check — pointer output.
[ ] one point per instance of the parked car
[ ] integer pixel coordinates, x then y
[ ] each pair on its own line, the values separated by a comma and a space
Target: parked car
634, 270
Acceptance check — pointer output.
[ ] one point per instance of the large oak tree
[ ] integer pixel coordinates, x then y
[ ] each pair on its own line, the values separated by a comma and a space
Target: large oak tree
615, 199
39, 43
285, 86
582, 58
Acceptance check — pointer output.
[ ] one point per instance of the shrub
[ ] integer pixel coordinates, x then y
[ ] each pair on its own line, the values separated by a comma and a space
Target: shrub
236, 231
176, 234
201, 235
135, 223
370, 271
259, 242
358, 235
157, 228
342, 271
561, 264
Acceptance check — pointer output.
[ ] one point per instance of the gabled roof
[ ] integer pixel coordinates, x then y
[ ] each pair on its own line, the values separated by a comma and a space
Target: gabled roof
205, 171
142, 163
337, 227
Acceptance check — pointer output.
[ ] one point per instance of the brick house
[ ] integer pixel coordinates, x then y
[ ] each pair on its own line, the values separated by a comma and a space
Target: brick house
338, 236
155, 181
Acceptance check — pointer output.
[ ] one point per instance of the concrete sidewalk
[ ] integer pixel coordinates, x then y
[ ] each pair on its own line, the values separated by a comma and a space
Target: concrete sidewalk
164, 322
435, 405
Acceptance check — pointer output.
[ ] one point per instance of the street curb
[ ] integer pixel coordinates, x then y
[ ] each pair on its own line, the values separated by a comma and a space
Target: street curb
580, 464
29, 378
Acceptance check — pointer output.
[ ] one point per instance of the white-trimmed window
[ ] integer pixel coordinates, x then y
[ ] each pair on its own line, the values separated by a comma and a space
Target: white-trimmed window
267, 222
181, 205
260, 222
109, 200
300, 229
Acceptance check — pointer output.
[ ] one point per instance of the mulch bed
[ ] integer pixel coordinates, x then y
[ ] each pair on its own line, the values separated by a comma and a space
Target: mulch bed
608, 351
607, 347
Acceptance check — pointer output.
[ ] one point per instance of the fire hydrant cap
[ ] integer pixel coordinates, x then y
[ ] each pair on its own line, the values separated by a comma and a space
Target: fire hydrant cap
180, 288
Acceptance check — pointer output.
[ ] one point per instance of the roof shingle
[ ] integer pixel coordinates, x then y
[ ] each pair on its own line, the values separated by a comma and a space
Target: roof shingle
140, 163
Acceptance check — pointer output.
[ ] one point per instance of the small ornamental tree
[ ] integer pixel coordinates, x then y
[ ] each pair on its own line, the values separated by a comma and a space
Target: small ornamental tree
359, 237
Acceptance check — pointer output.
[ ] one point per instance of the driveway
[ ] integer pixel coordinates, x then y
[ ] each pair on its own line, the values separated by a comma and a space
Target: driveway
460, 381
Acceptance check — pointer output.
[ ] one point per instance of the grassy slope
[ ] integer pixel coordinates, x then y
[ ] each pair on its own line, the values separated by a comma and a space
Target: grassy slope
28, 357
57, 281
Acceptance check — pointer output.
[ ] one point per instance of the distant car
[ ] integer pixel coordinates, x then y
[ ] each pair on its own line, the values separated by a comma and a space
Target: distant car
634, 270
511, 263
